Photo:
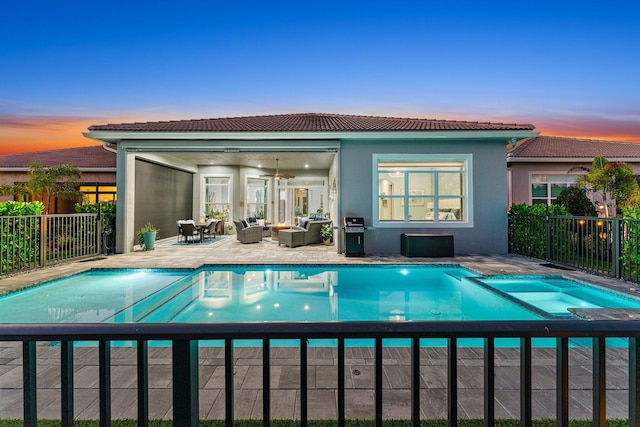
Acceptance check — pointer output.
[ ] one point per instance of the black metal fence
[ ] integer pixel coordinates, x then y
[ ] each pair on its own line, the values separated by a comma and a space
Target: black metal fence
606, 246
185, 391
34, 241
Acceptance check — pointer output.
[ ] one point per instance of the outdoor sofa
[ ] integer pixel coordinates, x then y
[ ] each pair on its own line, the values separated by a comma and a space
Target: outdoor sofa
311, 229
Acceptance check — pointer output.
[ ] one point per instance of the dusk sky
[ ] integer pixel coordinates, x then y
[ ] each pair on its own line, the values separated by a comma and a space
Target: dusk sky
571, 68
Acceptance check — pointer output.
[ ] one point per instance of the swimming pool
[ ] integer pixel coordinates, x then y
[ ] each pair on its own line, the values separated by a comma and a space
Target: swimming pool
316, 293
552, 296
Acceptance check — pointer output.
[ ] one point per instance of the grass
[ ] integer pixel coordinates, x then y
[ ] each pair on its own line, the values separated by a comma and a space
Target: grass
320, 423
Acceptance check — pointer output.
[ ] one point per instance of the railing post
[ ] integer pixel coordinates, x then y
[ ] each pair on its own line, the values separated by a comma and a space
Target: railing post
304, 384
547, 241
99, 236
489, 382
185, 383
66, 382
617, 248
452, 381
599, 382
634, 381
525, 382
415, 382
142, 356
104, 350
266, 382
228, 383
378, 382
562, 382
29, 383
43, 240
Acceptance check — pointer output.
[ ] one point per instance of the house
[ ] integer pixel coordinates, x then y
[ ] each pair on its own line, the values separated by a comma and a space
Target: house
98, 167
402, 175
539, 168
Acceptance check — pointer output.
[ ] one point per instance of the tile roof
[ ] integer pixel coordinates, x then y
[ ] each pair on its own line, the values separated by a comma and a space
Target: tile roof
309, 122
82, 157
555, 146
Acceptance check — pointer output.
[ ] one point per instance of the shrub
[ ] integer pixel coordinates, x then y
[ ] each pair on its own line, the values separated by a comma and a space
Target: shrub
12, 208
575, 200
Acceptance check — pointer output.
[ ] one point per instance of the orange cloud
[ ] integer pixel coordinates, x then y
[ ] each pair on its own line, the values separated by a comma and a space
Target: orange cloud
605, 128
37, 133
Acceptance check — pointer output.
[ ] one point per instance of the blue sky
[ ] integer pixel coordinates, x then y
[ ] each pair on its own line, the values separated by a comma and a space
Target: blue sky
571, 68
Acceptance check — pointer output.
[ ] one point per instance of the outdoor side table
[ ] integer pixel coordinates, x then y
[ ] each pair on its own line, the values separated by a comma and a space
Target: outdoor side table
291, 238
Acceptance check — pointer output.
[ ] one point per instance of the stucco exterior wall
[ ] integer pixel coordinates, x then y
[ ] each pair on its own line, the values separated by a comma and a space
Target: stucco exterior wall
487, 235
520, 173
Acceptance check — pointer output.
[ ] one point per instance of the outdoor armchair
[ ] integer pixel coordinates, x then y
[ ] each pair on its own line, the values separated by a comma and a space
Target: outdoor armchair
247, 234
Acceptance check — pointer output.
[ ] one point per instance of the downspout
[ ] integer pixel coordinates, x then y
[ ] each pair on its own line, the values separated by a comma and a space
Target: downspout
105, 145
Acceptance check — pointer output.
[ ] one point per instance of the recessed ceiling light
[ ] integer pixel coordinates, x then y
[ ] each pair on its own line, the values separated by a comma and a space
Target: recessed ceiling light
306, 166
259, 166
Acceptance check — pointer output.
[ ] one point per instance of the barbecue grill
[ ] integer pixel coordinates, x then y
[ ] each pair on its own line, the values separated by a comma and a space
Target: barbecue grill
354, 236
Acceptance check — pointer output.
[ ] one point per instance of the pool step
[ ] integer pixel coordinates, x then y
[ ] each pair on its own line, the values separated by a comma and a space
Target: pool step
179, 301
139, 311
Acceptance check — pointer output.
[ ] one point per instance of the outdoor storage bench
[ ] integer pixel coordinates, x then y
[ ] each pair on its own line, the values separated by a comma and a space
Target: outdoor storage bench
426, 245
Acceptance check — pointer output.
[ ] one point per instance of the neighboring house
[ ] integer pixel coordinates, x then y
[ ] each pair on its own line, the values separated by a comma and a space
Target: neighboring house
98, 167
401, 175
541, 167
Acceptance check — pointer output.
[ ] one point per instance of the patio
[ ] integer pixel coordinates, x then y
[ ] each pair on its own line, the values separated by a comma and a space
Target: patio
285, 369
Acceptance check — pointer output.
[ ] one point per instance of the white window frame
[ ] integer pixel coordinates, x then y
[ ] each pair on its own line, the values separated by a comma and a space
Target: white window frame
467, 197
268, 197
549, 199
204, 193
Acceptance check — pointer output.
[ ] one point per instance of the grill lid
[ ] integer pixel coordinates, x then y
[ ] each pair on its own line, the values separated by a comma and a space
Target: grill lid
353, 221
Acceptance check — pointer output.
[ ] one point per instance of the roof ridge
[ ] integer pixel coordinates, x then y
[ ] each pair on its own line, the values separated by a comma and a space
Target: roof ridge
53, 149
325, 115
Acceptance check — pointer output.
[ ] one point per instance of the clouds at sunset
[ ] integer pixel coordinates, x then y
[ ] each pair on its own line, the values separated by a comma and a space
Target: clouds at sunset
37, 133
20, 133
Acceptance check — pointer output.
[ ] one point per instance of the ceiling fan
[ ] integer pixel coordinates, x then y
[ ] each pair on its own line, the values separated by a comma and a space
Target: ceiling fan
278, 175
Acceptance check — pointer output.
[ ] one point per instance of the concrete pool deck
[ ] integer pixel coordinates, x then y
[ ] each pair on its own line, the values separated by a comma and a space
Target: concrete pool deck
322, 361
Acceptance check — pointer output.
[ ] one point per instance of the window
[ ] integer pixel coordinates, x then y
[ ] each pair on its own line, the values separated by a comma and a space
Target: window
256, 198
98, 193
545, 188
217, 196
422, 189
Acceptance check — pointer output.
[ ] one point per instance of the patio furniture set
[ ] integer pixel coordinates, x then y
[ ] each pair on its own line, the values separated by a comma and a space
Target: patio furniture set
305, 233
191, 231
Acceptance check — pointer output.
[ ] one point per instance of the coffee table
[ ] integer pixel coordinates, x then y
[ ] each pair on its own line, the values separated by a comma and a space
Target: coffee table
275, 230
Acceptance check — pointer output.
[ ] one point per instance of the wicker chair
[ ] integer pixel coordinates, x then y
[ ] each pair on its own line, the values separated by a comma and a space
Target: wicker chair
210, 228
247, 234
189, 230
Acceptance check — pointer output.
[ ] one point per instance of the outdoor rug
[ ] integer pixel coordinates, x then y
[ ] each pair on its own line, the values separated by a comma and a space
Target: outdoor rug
208, 243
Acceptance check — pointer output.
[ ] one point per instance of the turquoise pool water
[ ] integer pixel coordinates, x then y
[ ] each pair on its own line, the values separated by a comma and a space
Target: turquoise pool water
552, 296
298, 293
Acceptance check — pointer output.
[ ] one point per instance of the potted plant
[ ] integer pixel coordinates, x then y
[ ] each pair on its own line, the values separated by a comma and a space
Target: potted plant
326, 231
147, 236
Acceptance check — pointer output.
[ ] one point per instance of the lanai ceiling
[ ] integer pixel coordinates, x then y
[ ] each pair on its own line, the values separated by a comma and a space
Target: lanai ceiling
287, 160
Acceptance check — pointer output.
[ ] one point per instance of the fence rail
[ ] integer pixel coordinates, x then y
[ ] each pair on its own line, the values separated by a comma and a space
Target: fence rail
185, 392
605, 246
34, 241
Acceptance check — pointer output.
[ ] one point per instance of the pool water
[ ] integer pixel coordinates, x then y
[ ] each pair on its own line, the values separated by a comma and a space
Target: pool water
553, 296
299, 293
259, 294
